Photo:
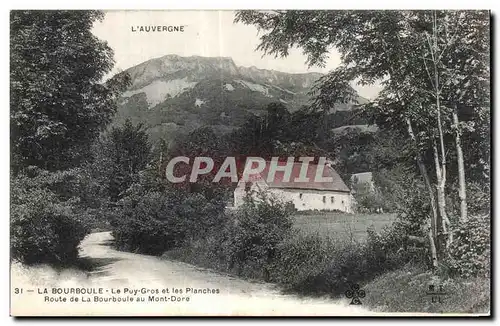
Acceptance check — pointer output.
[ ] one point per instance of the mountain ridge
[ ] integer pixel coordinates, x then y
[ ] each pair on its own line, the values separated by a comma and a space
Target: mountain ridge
172, 94
170, 64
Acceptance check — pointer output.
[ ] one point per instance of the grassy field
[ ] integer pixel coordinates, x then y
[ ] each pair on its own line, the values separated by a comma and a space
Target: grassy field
406, 290
342, 225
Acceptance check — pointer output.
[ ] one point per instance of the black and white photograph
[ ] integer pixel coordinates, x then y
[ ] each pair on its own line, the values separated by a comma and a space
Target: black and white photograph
250, 163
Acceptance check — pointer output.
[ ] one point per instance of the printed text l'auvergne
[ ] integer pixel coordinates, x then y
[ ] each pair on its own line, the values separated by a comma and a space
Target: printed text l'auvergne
157, 28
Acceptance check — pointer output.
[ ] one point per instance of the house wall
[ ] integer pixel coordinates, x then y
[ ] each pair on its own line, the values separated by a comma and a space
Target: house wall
304, 199
315, 199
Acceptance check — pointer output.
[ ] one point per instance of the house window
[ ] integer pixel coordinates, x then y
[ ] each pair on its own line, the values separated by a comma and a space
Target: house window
332, 199
324, 199
300, 196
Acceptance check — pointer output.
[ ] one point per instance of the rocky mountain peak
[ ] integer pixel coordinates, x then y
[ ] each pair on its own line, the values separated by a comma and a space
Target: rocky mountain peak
196, 68
173, 94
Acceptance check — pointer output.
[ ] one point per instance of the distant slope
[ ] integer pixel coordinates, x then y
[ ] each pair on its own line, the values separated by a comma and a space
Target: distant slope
174, 94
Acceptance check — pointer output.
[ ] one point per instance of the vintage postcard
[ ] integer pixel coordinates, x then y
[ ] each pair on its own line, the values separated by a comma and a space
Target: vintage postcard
250, 163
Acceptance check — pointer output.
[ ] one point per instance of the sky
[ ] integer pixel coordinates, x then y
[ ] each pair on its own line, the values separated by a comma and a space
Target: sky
206, 33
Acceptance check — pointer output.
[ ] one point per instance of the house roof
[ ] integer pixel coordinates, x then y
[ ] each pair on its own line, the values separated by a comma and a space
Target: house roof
279, 182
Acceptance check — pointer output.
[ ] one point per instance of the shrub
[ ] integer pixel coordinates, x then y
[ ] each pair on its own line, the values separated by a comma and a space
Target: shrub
300, 259
478, 198
470, 251
149, 225
153, 217
254, 232
44, 228
396, 187
371, 202
258, 241
244, 242
201, 215
314, 264
207, 252
391, 249
118, 156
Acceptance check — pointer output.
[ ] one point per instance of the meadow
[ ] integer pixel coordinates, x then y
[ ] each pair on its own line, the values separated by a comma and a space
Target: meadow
341, 225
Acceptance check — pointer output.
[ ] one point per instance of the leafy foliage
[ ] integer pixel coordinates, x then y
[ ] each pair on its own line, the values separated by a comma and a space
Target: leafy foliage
392, 47
254, 232
433, 67
470, 254
333, 267
153, 217
259, 241
45, 227
119, 155
58, 105
149, 225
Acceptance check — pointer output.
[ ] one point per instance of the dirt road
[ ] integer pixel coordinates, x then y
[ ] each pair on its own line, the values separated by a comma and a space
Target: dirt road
120, 270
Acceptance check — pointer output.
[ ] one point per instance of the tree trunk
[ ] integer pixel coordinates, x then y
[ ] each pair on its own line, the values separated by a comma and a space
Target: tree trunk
434, 217
432, 244
439, 161
425, 174
443, 221
461, 170
441, 177
160, 165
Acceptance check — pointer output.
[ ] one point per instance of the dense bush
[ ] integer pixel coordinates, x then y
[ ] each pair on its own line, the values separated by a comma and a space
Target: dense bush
258, 241
153, 217
207, 252
302, 261
254, 232
148, 226
118, 156
470, 252
314, 264
414, 209
391, 248
44, 228
370, 202
201, 214
392, 189
478, 198
244, 242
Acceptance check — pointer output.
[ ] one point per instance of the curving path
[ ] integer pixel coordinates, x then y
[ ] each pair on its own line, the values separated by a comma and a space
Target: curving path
114, 269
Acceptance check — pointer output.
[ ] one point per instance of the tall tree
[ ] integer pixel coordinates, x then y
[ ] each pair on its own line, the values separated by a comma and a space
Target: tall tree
464, 65
119, 156
58, 103
412, 53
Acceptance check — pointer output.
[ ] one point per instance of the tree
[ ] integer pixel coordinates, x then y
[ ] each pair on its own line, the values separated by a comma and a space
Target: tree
279, 133
47, 224
464, 62
119, 156
58, 103
416, 55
